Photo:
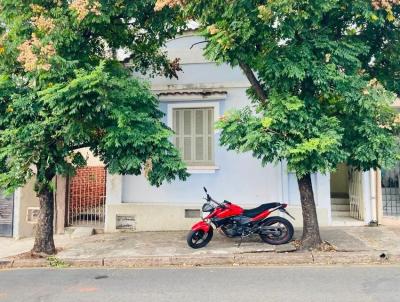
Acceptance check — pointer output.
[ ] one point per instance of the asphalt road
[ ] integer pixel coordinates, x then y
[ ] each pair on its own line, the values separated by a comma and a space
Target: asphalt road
305, 284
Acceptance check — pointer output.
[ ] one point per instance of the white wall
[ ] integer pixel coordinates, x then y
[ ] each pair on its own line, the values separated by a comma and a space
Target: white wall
239, 178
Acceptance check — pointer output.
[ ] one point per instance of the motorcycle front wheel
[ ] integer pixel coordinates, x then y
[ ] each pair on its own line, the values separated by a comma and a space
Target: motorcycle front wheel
276, 231
198, 239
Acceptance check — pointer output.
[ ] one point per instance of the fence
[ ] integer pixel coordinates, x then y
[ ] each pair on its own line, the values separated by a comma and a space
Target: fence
391, 191
356, 194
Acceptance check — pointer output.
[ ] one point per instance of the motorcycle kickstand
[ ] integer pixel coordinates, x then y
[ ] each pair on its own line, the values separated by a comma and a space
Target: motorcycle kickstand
241, 240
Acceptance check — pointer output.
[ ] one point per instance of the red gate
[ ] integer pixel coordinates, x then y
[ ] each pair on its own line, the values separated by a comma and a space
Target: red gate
86, 197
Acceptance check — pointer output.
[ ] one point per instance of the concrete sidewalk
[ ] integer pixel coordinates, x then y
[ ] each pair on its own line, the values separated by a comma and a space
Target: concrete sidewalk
354, 245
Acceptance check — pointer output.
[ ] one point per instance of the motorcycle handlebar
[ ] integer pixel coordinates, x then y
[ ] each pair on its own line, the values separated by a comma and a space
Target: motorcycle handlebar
209, 198
216, 202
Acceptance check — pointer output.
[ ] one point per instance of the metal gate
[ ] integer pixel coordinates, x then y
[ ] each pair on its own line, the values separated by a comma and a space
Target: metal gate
356, 194
391, 191
86, 197
6, 215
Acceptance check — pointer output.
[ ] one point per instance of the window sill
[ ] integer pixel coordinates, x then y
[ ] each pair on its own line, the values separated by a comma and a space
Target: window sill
202, 169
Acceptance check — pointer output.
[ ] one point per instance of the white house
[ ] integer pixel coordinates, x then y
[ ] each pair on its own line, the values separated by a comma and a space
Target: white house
192, 103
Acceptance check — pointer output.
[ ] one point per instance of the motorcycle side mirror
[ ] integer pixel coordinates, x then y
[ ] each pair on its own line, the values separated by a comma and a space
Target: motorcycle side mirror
205, 190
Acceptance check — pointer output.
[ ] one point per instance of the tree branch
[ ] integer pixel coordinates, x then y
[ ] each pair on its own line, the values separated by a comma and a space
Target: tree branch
73, 148
197, 43
255, 83
127, 59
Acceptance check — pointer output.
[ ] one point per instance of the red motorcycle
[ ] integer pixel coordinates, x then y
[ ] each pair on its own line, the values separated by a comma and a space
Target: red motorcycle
233, 221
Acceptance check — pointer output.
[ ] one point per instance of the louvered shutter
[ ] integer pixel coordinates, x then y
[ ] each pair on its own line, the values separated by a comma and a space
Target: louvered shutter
194, 135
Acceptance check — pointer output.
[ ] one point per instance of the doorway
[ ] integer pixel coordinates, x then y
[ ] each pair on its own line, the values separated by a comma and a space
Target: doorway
340, 203
347, 206
87, 197
340, 182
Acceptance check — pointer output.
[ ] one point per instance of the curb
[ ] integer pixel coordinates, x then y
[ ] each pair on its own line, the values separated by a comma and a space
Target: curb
238, 259
83, 262
4, 263
301, 258
332, 258
29, 263
163, 261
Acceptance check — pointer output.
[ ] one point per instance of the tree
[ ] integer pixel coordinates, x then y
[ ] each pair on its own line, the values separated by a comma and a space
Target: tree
323, 75
62, 88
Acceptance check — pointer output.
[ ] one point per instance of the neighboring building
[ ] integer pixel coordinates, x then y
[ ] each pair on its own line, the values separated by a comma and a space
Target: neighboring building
79, 201
203, 92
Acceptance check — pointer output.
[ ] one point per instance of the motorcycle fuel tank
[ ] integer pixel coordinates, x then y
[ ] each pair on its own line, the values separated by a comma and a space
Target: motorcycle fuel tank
230, 210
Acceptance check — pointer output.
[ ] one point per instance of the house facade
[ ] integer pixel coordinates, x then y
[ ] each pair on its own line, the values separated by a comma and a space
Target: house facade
192, 104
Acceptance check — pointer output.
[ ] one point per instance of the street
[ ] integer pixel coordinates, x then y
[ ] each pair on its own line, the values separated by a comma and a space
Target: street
306, 284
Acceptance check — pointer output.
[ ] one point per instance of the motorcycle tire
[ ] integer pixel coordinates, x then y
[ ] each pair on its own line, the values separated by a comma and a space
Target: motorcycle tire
198, 239
284, 237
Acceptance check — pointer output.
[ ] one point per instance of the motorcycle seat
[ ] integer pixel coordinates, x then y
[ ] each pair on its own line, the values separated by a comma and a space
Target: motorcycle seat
256, 211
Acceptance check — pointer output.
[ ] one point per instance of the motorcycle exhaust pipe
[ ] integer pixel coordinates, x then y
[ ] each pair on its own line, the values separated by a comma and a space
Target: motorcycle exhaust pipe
271, 230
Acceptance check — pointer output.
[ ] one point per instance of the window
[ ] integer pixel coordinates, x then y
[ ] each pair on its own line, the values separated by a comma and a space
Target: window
194, 135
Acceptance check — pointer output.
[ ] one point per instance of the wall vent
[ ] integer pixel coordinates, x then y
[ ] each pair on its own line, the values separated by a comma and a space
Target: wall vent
32, 214
126, 222
191, 213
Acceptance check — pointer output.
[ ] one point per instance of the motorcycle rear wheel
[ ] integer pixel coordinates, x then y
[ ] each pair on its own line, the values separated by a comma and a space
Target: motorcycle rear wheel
198, 239
283, 225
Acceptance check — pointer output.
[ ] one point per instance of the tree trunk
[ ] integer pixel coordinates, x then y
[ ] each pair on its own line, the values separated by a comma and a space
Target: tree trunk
311, 237
44, 242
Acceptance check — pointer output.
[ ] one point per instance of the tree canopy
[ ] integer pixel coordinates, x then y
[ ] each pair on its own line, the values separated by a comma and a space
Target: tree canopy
323, 75
63, 87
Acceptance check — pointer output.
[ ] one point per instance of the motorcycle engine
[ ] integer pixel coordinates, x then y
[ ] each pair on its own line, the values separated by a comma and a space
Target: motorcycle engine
237, 226
230, 230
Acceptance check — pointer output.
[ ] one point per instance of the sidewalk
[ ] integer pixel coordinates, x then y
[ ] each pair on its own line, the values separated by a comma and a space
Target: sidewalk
354, 245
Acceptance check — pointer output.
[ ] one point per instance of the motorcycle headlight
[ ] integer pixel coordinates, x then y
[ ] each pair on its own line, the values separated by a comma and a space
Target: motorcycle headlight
207, 207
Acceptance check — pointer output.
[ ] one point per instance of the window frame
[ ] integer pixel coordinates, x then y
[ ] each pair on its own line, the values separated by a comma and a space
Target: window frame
197, 105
